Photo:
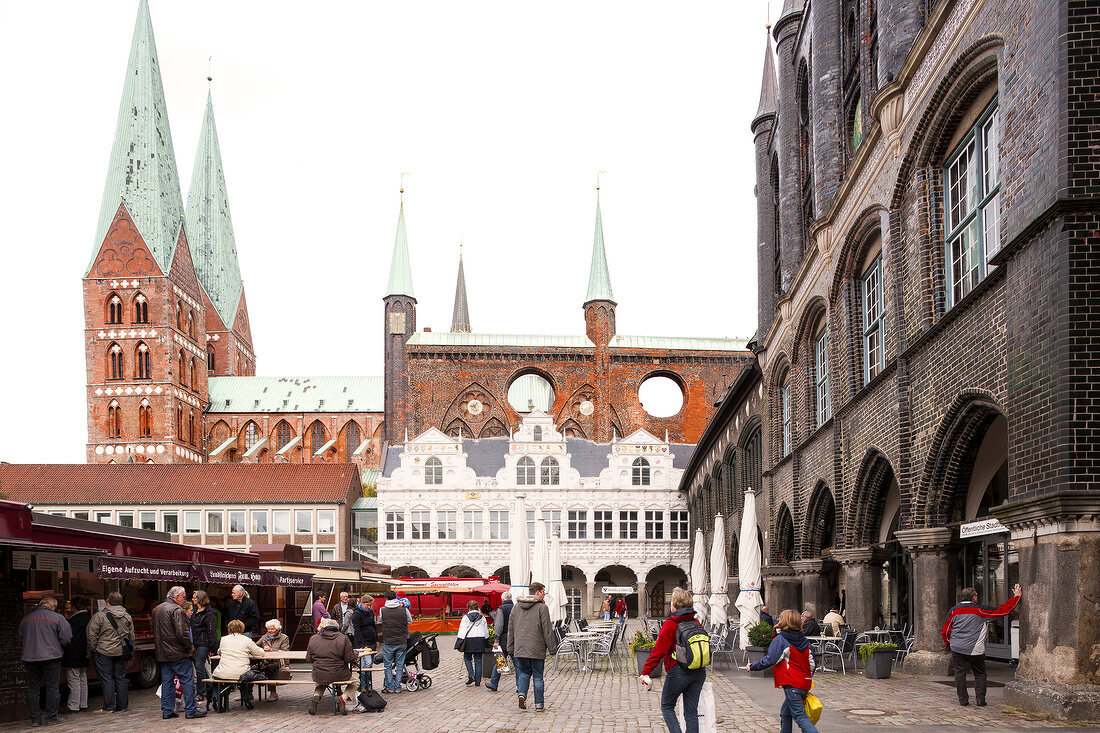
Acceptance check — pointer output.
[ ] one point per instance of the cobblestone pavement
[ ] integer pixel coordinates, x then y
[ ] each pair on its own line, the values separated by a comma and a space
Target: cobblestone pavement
599, 702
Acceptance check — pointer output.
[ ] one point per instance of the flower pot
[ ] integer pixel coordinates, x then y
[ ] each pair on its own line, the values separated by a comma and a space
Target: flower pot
756, 653
879, 664
643, 654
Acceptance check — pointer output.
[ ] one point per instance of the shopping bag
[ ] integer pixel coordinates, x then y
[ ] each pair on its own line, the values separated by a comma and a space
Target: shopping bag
707, 721
813, 707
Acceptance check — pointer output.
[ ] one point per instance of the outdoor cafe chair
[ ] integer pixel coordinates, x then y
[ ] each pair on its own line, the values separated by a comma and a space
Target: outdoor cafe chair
904, 648
566, 648
604, 647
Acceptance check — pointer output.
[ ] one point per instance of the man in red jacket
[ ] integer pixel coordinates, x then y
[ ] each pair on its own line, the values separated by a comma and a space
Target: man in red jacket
965, 633
678, 679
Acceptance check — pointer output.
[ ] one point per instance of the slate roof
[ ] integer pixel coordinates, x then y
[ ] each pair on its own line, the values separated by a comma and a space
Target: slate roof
302, 394
486, 456
142, 168
180, 483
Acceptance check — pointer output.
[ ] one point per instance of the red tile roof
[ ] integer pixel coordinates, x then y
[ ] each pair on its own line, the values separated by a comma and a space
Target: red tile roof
205, 483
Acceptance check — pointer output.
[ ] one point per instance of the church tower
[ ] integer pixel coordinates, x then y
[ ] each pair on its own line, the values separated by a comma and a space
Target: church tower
144, 318
209, 228
399, 306
599, 325
460, 318
769, 285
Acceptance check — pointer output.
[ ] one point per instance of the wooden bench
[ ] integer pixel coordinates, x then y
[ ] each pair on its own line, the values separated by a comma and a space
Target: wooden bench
222, 689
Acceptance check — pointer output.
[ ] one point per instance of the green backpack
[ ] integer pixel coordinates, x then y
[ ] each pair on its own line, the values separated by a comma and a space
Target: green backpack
692, 645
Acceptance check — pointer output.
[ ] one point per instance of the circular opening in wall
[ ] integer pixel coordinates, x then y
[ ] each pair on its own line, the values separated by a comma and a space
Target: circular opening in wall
531, 392
661, 396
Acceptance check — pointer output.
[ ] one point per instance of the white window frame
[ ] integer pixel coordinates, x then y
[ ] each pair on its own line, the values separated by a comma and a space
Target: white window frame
498, 524
298, 514
550, 471
530, 524
433, 472
241, 515
471, 524
525, 471
641, 473
195, 515
281, 518
324, 555
258, 514
603, 524
577, 526
142, 516
395, 525
447, 524
553, 522
821, 376
120, 516
220, 516
785, 411
420, 525
102, 517
628, 524
175, 517
77, 515
874, 341
678, 525
326, 516
654, 524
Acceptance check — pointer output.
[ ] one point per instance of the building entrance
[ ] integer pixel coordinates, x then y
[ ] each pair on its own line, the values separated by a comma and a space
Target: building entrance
992, 567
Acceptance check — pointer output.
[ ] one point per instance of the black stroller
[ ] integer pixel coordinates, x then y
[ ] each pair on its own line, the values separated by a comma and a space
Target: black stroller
422, 653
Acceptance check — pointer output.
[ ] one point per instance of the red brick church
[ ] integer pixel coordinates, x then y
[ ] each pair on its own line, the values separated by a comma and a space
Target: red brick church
171, 367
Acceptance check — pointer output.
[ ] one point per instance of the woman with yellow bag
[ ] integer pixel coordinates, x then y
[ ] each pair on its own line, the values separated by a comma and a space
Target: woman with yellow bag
792, 661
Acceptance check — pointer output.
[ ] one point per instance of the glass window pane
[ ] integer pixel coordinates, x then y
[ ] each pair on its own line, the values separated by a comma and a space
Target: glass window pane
236, 523
149, 520
303, 521
326, 521
126, 519
471, 524
171, 522
991, 216
259, 522
323, 555
990, 157
214, 523
280, 522
191, 522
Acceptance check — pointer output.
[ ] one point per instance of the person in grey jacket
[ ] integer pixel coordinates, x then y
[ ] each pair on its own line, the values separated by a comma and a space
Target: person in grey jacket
105, 649
42, 633
530, 639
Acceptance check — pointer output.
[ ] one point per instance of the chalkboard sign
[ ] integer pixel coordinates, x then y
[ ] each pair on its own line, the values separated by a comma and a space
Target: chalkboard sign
13, 678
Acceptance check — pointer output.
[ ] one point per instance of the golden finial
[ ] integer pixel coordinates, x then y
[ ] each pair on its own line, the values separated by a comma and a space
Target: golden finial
209, 70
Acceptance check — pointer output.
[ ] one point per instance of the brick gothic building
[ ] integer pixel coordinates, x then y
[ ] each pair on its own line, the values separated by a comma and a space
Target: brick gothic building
171, 366
927, 229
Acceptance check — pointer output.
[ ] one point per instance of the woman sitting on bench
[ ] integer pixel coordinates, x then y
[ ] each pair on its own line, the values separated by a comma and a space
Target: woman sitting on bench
237, 651
275, 641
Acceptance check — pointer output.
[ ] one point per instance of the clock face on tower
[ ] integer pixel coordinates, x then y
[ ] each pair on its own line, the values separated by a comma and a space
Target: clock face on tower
474, 407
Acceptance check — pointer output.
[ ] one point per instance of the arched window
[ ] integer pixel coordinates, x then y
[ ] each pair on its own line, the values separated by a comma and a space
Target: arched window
785, 418
251, 435
114, 420
114, 309
194, 374
210, 359
537, 432
872, 46
821, 375
639, 474
115, 361
282, 435
351, 439
141, 309
874, 351
852, 88
191, 323
191, 427
183, 368
433, 472
805, 152
179, 421
525, 472
141, 360
750, 462
549, 472
316, 436
145, 419
777, 274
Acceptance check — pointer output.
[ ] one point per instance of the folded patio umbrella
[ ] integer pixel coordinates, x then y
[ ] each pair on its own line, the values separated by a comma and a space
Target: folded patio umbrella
748, 600
540, 555
519, 561
555, 591
718, 597
699, 577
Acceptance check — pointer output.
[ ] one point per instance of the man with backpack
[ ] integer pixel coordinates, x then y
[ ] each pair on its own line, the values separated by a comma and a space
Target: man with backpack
110, 644
684, 647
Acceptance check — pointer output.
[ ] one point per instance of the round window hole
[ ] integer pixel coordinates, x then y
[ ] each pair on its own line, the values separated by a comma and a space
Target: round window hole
529, 393
661, 396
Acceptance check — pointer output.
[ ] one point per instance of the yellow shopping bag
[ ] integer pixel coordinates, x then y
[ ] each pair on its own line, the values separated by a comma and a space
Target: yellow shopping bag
813, 706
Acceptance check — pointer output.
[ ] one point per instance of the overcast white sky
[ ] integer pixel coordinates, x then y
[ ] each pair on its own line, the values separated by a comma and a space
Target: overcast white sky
500, 112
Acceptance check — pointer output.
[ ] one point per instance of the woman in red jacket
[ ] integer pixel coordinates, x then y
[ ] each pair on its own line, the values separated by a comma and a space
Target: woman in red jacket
792, 661
678, 679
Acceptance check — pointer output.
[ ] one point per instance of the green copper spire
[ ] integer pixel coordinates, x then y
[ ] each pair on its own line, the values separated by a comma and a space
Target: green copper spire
599, 281
401, 281
460, 318
142, 170
210, 226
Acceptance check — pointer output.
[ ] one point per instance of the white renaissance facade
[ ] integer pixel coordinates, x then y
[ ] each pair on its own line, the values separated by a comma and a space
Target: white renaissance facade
443, 509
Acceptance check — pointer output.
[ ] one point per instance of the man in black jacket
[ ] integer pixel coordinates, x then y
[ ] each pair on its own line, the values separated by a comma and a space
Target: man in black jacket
810, 626
500, 631
75, 657
243, 609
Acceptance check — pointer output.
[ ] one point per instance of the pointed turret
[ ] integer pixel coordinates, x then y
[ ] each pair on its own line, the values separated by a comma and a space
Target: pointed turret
401, 282
460, 320
142, 170
768, 85
599, 281
210, 226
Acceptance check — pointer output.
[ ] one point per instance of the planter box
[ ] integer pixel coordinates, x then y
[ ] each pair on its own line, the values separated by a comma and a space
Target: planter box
756, 653
880, 664
643, 654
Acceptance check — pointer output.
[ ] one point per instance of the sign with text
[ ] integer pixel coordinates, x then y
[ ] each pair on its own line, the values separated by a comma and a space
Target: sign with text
982, 528
618, 589
122, 568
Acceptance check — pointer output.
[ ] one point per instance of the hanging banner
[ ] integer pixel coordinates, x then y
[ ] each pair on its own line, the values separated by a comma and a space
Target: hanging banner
124, 568
229, 575
981, 528
285, 579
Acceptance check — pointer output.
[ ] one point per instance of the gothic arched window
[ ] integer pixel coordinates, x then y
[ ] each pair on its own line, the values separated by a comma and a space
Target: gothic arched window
141, 358
182, 367
639, 475
194, 374
316, 437
210, 359
179, 421
114, 358
114, 420
805, 152
179, 314
433, 472
251, 435
114, 309
525, 472
351, 439
141, 309
282, 435
549, 472
145, 419
191, 427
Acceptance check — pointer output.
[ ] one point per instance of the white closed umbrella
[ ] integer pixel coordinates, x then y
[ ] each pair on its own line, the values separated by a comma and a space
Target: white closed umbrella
748, 600
699, 577
540, 555
519, 561
555, 591
718, 596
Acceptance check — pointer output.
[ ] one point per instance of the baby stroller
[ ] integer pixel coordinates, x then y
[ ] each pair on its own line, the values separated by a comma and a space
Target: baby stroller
422, 652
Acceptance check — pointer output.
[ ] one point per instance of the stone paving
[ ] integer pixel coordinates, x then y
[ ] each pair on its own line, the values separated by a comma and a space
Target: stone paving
597, 702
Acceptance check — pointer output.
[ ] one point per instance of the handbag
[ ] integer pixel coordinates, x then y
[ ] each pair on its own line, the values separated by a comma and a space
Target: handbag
127, 645
460, 645
813, 706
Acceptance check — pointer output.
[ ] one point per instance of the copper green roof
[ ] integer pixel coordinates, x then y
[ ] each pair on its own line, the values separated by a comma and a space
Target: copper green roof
599, 281
460, 320
401, 282
440, 338
209, 225
296, 394
142, 169
685, 343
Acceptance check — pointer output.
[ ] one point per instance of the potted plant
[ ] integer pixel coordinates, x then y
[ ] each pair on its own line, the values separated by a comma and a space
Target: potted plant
760, 636
878, 659
640, 646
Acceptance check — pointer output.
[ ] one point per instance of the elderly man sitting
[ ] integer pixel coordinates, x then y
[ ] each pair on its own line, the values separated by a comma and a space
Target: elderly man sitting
330, 653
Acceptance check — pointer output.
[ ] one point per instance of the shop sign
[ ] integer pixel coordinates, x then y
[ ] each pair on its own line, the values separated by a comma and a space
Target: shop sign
21, 560
288, 580
121, 568
79, 563
982, 528
229, 575
49, 561
618, 589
